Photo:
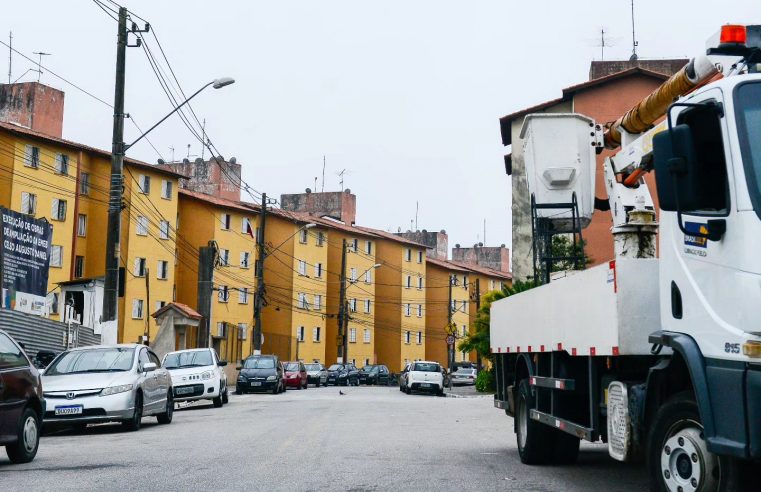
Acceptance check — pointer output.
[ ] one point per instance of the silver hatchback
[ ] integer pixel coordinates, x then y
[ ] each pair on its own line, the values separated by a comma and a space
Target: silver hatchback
118, 383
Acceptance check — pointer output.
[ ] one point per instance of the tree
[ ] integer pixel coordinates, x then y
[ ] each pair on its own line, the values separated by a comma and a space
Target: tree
562, 247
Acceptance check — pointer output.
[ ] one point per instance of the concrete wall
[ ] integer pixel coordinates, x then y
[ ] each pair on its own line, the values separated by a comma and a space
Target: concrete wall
494, 257
34, 106
599, 69
437, 242
337, 205
220, 180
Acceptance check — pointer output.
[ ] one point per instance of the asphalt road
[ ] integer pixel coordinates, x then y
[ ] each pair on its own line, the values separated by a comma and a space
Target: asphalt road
368, 439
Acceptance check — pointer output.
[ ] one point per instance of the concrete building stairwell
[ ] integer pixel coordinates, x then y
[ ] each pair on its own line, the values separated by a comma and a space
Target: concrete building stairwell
34, 106
437, 242
494, 257
216, 177
338, 205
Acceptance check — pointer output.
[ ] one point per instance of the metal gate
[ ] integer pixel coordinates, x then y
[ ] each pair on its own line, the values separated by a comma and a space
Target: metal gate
37, 333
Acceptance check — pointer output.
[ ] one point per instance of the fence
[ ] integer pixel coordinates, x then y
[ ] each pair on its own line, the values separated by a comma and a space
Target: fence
37, 333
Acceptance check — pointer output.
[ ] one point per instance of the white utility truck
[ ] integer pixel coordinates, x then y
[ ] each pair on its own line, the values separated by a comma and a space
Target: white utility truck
658, 354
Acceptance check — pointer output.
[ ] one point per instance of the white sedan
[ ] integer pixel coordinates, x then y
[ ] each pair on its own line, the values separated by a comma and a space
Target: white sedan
424, 376
197, 374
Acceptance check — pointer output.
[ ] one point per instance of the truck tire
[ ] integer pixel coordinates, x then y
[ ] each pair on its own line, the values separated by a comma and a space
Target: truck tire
677, 455
535, 440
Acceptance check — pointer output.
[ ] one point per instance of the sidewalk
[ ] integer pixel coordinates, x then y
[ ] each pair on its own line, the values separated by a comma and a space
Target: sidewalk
465, 392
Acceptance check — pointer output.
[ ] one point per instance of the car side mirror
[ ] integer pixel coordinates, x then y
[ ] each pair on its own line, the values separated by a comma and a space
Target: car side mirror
222, 363
149, 367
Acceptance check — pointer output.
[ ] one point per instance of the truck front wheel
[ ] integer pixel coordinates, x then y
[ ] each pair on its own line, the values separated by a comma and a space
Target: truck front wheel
678, 456
535, 440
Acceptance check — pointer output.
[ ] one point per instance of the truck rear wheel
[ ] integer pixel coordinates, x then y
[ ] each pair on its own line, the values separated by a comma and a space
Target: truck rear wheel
678, 456
535, 440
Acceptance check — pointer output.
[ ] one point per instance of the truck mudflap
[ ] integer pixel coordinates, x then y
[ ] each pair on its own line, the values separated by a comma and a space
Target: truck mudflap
729, 389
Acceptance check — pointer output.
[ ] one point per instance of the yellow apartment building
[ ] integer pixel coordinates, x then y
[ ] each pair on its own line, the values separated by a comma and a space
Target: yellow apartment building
294, 320
448, 301
232, 226
400, 314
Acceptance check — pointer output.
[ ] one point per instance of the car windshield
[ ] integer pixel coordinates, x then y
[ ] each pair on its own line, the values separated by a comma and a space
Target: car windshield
259, 363
748, 104
292, 366
195, 358
426, 367
336, 367
313, 367
369, 368
112, 359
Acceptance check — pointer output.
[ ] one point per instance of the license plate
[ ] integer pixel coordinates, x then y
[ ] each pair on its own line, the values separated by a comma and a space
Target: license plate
256, 383
425, 385
184, 391
70, 410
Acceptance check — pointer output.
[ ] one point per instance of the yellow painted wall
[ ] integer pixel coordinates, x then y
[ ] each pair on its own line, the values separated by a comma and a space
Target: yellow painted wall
437, 295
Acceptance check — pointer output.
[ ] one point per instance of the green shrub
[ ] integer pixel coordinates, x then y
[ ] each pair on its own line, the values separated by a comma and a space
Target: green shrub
485, 381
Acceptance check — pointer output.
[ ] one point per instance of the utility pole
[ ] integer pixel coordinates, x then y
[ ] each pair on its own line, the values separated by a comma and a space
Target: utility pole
478, 308
147, 338
206, 256
343, 315
10, 55
111, 282
450, 347
259, 298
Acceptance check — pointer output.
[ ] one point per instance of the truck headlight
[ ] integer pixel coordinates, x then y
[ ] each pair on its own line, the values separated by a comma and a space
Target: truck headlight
112, 390
206, 375
271, 378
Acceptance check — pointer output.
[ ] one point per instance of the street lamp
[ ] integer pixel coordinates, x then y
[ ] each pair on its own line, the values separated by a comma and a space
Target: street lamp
344, 310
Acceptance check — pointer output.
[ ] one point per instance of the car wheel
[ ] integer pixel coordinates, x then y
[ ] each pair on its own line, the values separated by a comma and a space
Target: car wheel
133, 424
225, 396
28, 438
407, 390
218, 400
276, 390
238, 390
166, 417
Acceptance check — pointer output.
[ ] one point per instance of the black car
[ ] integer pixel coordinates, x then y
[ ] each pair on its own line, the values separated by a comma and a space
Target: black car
21, 402
343, 374
260, 373
374, 374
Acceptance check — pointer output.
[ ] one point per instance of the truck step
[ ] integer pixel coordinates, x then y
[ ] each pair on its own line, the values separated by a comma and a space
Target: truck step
564, 425
553, 383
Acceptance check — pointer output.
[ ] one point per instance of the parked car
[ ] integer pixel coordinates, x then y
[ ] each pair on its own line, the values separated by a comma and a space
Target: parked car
464, 376
261, 373
22, 404
403, 377
317, 374
424, 376
343, 374
100, 383
44, 358
374, 374
296, 375
197, 374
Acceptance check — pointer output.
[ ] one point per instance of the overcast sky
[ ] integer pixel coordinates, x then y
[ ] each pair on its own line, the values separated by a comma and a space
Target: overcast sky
404, 95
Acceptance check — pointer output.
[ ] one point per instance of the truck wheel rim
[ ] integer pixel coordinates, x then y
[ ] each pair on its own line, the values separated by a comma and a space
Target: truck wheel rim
30, 434
686, 463
522, 424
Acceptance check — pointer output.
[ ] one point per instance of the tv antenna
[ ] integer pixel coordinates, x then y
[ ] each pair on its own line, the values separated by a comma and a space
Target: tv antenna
39, 62
341, 174
10, 55
634, 39
603, 41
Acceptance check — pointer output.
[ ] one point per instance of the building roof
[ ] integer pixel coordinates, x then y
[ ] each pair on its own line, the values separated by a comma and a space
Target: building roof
506, 121
489, 272
28, 132
393, 237
447, 265
184, 309
219, 202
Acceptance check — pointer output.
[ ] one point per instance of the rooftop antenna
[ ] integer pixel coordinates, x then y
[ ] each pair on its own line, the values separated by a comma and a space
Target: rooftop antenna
171, 148
10, 55
323, 174
188, 151
634, 39
341, 175
39, 62
417, 208
315, 183
603, 40
203, 137
484, 231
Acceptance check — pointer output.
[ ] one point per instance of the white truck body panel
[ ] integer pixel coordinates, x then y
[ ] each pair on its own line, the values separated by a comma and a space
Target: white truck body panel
606, 310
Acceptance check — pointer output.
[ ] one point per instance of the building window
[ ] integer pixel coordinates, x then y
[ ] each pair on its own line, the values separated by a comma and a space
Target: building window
368, 276
32, 156
409, 281
81, 225
242, 331
159, 305
408, 309
453, 280
420, 257
316, 334
453, 306
164, 229
353, 305
302, 267
224, 257
225, 221
223, 293
353, 335
221, 329
245, 225
243, 295
320, 238
317, 302
56, 256
464, 331
303, 233
420, 282
419, 310
353, 275
58, 210
465, 282
79, 266
144, 182
163, 268
52, 301
407, 336
300, 334
166, 189
303, 302
464, 306
369, 247
367, 305
28, 203
420, 338
84, 184
244, 259
318, 270
366, 335
62, 164
139, 270
142, 226
137, 309
408, 255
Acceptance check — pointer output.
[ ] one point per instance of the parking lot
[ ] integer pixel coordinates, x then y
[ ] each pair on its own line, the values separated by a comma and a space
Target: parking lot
370, 438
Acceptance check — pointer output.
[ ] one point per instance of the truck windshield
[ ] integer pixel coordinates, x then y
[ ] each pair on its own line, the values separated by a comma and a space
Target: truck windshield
748, 109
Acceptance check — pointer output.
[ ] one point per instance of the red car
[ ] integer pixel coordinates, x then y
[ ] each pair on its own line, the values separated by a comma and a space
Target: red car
296, 375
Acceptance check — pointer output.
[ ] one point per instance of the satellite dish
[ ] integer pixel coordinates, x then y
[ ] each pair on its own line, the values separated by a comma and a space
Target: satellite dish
161, 162
186, 161
308, 190
348, 191
233, 160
